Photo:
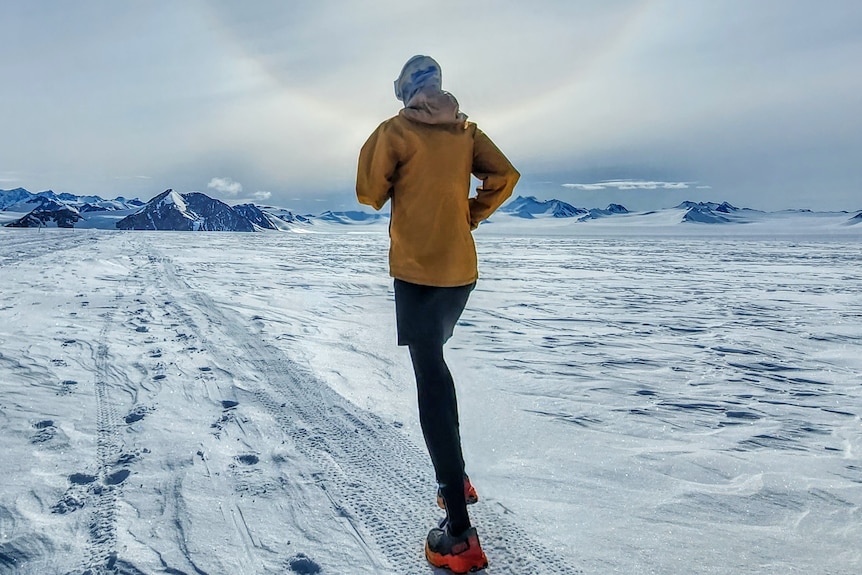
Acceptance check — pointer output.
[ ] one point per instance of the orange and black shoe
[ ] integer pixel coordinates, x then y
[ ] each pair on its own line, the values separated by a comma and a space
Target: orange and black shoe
470, 494
461, 554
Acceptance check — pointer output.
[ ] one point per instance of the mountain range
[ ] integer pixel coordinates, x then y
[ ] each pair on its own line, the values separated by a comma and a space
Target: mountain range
195, 211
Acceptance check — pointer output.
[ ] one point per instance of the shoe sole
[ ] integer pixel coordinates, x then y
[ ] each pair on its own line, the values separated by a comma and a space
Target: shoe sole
458, 569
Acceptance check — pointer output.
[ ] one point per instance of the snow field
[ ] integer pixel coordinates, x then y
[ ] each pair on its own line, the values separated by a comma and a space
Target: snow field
235, 403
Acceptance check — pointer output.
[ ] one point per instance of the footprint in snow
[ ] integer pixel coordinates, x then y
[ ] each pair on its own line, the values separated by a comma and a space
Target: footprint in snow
76, 495
117, 477
248, 459
45, 431
303, 564
137, 414
66, 386
81, 478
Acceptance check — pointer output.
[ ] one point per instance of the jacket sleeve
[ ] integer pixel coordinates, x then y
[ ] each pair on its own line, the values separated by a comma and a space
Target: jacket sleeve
498, 177
377, 162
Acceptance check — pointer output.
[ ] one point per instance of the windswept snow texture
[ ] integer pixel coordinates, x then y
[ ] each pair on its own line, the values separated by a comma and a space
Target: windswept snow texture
236, 403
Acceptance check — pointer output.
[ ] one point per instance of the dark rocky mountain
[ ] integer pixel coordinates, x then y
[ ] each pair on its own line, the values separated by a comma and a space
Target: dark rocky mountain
713, 213
194, 211
33, 202
63, 217
724, 207
11, 197
20, 200
257, 216
611, 210
529, 207
703, 215
706, 212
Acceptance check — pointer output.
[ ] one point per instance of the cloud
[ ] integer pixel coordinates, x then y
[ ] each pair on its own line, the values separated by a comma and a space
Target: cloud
262, 196
225, 186
632, 185
257, 93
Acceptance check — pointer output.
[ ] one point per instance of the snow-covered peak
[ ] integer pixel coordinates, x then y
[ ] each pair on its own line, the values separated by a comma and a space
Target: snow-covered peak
186, 212
172, 197
42, 203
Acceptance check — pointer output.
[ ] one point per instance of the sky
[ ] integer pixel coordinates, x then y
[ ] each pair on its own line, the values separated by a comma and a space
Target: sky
641, 102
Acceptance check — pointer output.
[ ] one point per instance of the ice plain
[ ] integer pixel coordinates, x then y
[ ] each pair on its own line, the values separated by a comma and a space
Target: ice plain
668, 400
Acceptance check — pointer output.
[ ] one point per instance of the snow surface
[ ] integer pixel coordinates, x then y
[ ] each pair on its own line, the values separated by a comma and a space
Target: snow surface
674, 402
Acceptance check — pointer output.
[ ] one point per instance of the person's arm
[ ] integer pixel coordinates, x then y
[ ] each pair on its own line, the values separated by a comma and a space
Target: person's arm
498, 177
377, 162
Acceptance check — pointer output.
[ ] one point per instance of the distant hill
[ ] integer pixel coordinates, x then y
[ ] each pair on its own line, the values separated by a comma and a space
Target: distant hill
48, 209
62, 217
31, 203
194, 211
11, 197
529, 207
350, 217
611, 210
11, 200
257, 216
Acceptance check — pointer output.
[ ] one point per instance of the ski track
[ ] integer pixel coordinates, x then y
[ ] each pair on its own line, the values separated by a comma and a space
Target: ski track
377, 479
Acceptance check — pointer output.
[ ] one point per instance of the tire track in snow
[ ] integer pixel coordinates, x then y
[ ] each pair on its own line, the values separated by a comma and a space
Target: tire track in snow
375, 477
100, 555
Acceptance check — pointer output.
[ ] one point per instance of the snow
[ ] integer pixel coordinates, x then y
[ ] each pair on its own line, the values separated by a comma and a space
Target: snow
657, 398
175, 198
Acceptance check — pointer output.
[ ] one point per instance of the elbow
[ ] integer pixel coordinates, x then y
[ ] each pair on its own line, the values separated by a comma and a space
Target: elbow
370, 201
514, 176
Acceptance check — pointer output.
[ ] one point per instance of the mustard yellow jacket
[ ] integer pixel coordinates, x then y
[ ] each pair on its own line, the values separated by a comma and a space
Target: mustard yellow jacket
425, 170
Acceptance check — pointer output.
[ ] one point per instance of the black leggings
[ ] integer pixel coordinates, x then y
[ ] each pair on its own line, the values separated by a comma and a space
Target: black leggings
438, 414
426, 318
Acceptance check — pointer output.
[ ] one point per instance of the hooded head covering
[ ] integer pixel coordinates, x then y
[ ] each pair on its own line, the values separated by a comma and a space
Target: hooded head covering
419, 72
419, 86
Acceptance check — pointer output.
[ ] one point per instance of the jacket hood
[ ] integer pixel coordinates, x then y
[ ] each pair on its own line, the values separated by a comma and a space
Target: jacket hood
433, 106
419, 72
